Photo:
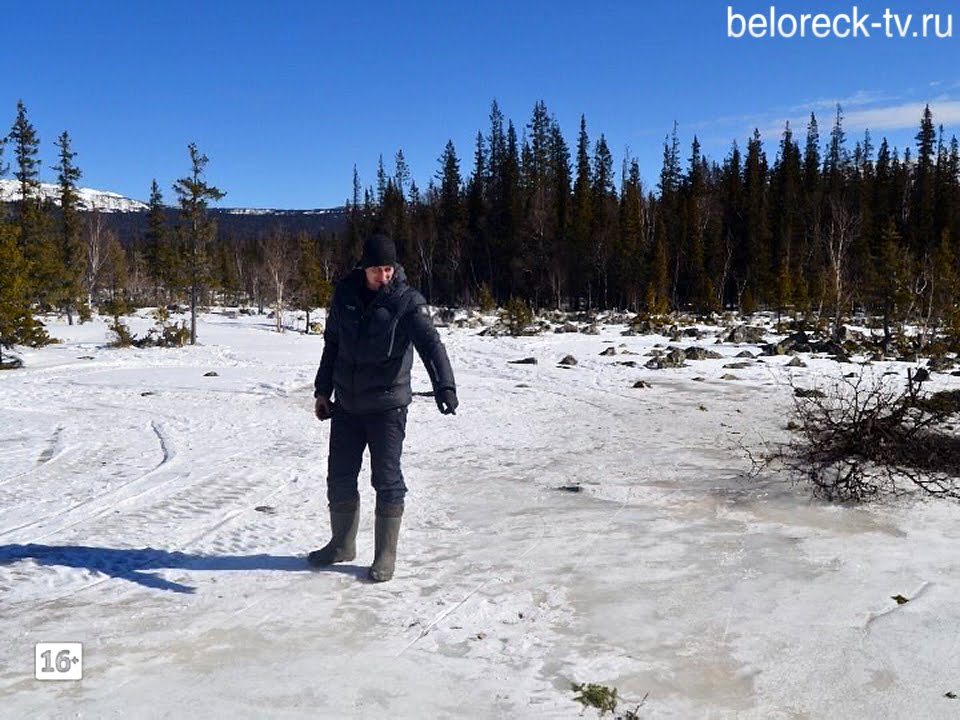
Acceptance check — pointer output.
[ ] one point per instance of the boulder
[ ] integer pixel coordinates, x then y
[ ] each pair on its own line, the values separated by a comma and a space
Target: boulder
745, 334
699, 353
674, 358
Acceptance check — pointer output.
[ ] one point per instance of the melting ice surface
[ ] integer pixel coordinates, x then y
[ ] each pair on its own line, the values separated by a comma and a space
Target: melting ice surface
161, 517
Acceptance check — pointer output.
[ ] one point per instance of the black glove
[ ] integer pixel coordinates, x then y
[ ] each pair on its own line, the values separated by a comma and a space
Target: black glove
322, 408
447, 401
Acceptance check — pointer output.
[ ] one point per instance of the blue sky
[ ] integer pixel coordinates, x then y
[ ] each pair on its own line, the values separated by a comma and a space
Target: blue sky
285, 97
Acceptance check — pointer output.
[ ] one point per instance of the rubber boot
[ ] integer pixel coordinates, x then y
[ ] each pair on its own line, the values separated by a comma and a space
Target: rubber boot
344, 520
386, 534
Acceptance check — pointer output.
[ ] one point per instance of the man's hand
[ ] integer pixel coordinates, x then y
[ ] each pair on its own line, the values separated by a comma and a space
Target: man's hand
447, 401
323, 408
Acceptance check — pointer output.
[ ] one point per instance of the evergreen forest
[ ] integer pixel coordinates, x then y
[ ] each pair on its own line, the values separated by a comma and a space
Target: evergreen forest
810, 225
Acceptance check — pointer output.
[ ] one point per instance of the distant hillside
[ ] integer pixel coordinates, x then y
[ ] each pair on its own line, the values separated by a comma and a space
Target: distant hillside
235, 225
128, 218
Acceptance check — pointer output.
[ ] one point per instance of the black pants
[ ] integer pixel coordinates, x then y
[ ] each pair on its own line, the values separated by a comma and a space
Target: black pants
349, 436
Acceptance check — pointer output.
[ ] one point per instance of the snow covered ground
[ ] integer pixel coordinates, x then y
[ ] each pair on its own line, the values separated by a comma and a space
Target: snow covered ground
161, 518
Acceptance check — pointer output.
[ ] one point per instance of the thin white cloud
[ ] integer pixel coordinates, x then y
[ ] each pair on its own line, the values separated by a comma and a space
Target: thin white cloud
904, 116
798, 114
882, 114
860, 97
726, 121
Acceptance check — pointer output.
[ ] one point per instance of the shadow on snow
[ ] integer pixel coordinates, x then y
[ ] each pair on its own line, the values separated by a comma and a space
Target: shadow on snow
133, 564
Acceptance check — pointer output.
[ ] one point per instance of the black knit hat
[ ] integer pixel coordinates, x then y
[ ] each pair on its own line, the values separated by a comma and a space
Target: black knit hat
378, 251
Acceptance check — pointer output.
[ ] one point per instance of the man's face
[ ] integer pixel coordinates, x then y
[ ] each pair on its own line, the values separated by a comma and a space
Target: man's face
377, 277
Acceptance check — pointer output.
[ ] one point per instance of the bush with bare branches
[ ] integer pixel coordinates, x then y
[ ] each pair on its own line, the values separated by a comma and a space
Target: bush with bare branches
869, 435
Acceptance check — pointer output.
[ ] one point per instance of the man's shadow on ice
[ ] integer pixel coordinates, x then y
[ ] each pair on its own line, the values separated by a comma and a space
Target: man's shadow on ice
134, 564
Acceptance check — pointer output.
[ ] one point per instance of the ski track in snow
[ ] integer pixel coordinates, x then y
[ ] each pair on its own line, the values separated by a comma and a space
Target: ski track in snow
162, 517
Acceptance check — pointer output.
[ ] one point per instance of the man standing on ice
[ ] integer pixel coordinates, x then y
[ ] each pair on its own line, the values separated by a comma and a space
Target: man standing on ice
363, 387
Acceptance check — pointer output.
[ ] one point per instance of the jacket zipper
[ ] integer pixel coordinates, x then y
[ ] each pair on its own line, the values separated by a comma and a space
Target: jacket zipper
393, 333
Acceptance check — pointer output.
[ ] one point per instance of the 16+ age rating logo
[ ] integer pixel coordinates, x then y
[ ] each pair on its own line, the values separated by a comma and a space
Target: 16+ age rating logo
58, 661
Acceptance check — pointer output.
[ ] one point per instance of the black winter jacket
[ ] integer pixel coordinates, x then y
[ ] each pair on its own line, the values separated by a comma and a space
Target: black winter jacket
368, 352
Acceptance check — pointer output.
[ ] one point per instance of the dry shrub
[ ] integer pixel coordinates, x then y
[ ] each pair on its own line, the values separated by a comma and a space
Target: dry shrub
867, 436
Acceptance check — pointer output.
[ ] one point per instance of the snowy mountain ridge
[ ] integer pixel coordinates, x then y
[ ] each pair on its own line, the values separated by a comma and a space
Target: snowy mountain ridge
111, 202
89, 199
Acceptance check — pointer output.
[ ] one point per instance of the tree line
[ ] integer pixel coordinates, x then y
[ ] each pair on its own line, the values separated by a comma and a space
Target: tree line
57, 257
820, 230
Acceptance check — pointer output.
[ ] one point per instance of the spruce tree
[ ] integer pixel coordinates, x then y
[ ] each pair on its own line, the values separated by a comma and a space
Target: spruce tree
26, 146
401, 173
952, 194
357, 226
945, 287
381, 181
116, 276
503, 195
164, 263
582, 216
891, 293
669, 212
842, 222
423, 238
604, 201
37, 247
539, 216
561, 247
922, 206
227, 272
396, 205
314, 288
756, 262
17, 323
194, 194
14, 308
451, 223
862, 198
512, 211
630, 240
732, 231
693, 283
71, 253
480, 252
836, 161
786, 217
